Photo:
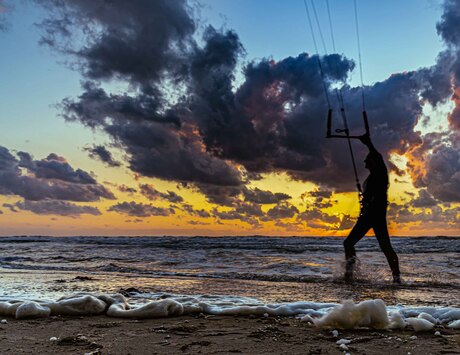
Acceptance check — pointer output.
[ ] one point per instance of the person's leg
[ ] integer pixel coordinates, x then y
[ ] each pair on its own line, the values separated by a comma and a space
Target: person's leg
357, 233
381, 232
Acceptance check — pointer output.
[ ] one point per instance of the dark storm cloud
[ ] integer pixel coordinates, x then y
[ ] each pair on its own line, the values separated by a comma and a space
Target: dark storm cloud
253, 126
51, 178
183, 120
136, 40
448, 26
170, 153
101, 153
140, 209
56, 207
96, 108
153, 194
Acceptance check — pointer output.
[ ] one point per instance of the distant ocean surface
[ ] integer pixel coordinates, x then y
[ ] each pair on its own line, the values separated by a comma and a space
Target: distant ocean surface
267, 268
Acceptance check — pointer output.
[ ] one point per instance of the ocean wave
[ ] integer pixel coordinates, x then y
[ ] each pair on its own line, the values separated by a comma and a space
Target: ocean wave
284, 245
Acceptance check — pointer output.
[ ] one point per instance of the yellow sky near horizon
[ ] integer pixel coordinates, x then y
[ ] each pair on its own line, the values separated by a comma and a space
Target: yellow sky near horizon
181, 223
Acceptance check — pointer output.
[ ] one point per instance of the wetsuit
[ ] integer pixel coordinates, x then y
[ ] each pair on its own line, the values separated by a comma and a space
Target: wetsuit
373, 215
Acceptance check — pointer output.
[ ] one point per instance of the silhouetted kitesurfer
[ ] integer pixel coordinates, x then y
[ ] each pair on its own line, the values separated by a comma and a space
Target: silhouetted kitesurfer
373, 213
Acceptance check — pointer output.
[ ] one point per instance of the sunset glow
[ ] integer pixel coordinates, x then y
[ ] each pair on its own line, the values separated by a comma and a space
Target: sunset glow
124, 125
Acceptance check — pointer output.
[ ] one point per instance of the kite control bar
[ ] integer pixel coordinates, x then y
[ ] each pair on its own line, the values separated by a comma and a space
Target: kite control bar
345, 130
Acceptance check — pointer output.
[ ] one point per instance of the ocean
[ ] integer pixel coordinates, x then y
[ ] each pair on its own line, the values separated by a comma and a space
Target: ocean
240, 269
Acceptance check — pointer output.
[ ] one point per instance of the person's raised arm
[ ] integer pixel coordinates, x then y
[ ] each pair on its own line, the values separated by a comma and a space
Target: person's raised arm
366, 140
373, 153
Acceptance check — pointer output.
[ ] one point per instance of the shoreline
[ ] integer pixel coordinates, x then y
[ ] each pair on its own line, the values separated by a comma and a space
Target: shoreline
211, 335
51, 285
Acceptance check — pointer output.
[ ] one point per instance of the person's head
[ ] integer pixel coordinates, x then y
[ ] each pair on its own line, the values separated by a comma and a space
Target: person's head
370, 162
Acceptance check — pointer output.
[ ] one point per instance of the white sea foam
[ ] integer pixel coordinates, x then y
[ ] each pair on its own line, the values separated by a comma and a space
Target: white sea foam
420, 324
32, 310
428, 317
371, 314
348, 315
396, 321
455, 324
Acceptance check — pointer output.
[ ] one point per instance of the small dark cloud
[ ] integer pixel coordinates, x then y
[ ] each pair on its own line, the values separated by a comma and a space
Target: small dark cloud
140, 209
54, 167
11, 207
264, 196
126, 189
198, 223
153, 194
227, 215
194, 212
99, 152
282, 210
292, 227
249, 209
315, 218
424, 199
320, 198
221, 195
404, 214
56, 207
136, 220
234, 215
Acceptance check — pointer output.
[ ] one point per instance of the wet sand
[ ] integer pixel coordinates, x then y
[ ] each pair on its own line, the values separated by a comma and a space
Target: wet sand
39, 284
209, 335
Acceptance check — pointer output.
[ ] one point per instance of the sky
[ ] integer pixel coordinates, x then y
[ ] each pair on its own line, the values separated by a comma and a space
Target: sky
208, 117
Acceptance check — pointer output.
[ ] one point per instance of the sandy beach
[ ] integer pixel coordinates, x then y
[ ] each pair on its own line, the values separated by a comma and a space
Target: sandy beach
209, 335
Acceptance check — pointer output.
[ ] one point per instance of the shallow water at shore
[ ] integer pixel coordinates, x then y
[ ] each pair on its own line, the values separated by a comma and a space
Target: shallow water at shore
266, 269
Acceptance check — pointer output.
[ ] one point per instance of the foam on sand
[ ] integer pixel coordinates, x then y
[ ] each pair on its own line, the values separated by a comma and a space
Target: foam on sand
420, 324
348, 315
369, 314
